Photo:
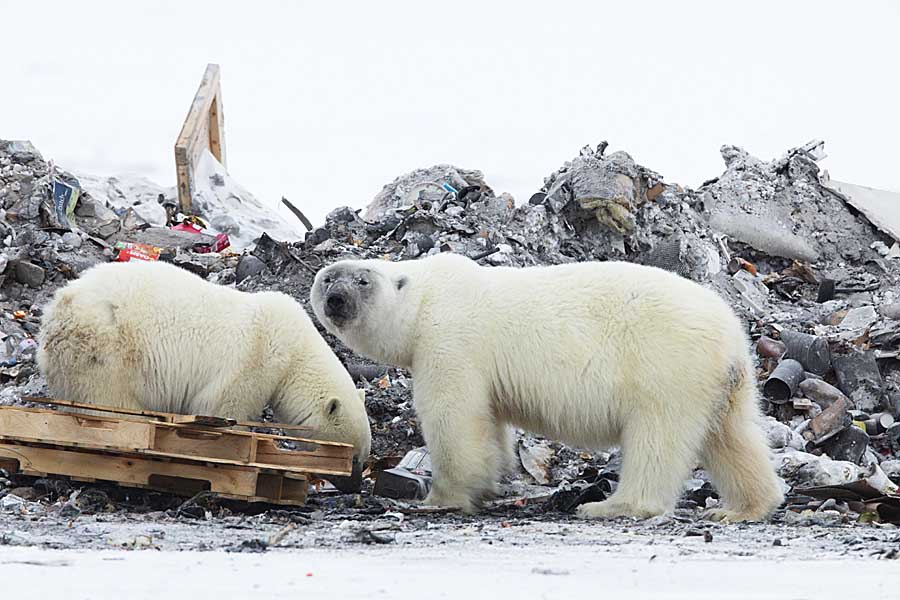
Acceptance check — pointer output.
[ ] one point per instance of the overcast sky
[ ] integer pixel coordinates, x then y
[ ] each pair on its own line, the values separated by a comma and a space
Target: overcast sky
325, 102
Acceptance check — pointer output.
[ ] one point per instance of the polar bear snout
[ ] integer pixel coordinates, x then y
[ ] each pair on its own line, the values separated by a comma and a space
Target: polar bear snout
340, 306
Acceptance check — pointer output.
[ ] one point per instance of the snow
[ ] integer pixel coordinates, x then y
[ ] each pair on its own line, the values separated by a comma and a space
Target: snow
478, 572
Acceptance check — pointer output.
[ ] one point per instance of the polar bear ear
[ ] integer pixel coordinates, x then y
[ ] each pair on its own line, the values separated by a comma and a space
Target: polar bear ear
400, 282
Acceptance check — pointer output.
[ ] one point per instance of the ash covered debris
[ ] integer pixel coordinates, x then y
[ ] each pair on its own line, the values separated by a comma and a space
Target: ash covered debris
814, 279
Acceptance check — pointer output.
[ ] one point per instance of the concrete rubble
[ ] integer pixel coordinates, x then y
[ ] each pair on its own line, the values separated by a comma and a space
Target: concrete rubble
808, 273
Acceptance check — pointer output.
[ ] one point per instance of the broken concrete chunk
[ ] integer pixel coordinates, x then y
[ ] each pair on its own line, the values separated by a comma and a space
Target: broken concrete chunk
859, 318
763, 234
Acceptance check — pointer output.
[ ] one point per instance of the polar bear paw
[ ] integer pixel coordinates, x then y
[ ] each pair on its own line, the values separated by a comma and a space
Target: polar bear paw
610, 509
723, 515
461, 501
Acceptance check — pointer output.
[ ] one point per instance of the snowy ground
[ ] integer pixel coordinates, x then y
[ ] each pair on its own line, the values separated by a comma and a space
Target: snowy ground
636, 567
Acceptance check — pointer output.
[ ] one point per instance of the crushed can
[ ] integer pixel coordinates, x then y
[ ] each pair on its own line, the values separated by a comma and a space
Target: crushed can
409, 480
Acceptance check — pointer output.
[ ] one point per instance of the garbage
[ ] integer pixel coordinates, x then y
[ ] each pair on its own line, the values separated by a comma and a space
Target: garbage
812, 351
126, 251
409, 480
859, 378
830, 421
535, 456
783, 381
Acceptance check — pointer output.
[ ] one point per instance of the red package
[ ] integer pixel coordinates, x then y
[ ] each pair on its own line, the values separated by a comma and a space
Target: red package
132, 251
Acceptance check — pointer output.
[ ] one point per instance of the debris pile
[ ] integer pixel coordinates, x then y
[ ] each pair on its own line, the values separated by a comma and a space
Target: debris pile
817, 283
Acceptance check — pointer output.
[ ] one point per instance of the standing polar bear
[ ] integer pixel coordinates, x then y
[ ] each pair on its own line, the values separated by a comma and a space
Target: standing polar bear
592, 354
154, 336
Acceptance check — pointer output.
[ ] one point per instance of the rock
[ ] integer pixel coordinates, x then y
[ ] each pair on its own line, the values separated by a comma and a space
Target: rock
859, 378
71, 239
859, 318
29, 274
891, 311
248, 266
21, 151
25, 493
779, 435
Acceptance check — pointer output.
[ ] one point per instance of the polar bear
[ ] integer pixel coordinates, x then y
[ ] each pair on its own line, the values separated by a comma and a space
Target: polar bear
151, 335
592, 354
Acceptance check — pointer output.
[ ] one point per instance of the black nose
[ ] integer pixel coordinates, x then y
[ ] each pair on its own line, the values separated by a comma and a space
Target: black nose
335, 302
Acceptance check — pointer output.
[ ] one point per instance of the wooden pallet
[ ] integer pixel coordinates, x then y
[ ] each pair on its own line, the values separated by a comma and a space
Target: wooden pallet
167, 439
175, 476
182, 454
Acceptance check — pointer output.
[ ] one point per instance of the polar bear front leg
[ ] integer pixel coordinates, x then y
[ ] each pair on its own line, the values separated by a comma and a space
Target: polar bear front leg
461, 433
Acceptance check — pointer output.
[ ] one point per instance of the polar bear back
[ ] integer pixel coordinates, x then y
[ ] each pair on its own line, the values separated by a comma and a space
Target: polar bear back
158, 335
599, 336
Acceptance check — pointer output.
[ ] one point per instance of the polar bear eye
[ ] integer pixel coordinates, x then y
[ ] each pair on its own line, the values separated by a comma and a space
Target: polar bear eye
363, 282
328, 279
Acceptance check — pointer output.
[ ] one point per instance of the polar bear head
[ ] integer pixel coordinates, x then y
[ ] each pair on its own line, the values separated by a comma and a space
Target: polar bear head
370, 305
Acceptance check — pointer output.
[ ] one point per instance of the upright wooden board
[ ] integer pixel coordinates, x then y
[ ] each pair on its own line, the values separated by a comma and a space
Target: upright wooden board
204, 128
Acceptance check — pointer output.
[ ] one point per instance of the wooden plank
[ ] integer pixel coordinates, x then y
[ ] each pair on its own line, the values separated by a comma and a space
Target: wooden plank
75, 429
204, 443
322, 459
203, 128
205, 420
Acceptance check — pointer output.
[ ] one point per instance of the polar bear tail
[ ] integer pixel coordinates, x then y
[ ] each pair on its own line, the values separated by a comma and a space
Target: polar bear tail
737, 457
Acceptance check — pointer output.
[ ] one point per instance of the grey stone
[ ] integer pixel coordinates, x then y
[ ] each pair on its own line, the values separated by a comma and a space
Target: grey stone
71, 239
248, 266
29, 274
859, 318
891, 311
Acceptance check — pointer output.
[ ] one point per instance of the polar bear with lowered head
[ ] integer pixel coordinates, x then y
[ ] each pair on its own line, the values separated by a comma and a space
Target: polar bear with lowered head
153, 336
591, 354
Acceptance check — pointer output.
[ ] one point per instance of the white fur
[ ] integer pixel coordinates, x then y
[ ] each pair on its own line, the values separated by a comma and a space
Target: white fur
593, 354
153, 336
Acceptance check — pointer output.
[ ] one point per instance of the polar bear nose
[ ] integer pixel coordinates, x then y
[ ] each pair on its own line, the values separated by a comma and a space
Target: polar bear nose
337, 305
336, 301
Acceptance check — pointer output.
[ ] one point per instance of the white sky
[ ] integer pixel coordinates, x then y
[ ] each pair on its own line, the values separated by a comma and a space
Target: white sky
325, 102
